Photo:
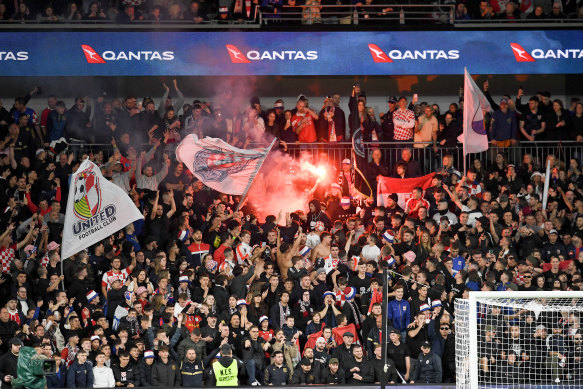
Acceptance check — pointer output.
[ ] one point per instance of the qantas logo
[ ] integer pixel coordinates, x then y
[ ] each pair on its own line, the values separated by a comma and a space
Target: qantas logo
92, 56
237, 56
520, 54
379, 56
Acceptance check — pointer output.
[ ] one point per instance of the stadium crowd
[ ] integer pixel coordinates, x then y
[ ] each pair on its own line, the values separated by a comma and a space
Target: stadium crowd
292, 11
200, 293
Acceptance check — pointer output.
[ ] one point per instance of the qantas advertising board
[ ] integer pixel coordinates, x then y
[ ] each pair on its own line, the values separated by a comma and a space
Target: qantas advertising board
290, 53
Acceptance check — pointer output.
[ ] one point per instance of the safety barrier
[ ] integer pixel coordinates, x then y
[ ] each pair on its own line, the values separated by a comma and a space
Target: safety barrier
379, 14
429, 158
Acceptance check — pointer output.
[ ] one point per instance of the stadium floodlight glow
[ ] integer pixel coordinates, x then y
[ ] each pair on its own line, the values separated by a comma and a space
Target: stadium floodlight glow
543, 359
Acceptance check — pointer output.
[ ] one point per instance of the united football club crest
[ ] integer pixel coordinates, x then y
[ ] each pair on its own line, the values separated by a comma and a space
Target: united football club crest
217, 164
87, 199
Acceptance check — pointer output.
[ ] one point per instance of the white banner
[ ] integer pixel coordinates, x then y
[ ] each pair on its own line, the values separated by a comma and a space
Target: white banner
474, 137
96, 208
219, 165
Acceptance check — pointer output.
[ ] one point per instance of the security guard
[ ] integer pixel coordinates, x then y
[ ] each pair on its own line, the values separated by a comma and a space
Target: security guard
277, 373
225, 371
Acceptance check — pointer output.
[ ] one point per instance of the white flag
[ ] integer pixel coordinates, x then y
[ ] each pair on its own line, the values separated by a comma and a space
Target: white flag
219, 165
474, 137
96, 208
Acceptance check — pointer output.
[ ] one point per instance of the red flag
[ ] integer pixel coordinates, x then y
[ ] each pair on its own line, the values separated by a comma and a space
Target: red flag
402, 187
338, 332
377, 297
311, 343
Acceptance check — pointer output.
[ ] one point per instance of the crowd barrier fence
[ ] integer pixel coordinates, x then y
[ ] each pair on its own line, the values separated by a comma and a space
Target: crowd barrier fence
430, 159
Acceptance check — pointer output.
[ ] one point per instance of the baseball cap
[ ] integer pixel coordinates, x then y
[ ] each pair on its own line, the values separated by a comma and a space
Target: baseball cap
333, 361
426, 344
149, 354
553, 231
393, 99
346, 161
16, 341
503, 100
349, 334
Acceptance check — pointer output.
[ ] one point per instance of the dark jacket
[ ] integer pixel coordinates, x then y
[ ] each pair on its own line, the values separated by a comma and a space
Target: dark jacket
8, 363
365, 371
126, 375
277, 376
145, 372
165, 374
255, 352
58, 380
192, 373
428, 369
327, 378
392, 374
80, 376
302, 378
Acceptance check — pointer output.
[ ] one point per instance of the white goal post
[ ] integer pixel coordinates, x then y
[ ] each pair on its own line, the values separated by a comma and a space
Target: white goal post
483, 358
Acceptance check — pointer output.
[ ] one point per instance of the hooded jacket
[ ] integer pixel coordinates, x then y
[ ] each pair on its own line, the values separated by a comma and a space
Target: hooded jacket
317, 216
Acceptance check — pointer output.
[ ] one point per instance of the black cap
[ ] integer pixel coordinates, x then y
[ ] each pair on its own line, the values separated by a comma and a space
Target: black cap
426, 344
394, 331
16, 341
348, 333
393, 99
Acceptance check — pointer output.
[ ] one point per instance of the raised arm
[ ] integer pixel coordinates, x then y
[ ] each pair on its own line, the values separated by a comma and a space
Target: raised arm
172, 205
162, 105
155, 206
454, 197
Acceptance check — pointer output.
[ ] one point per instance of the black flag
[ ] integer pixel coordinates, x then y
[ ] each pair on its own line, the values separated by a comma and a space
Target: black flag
360, 161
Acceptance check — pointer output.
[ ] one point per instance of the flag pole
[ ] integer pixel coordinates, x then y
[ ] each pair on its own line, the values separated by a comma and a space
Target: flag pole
244, 197
383, 338
465, 130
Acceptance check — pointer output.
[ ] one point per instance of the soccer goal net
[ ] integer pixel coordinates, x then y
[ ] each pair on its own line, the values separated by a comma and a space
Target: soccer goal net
519, 339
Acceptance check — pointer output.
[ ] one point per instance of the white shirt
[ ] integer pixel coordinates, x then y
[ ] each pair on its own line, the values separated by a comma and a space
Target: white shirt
103, 377
371, 253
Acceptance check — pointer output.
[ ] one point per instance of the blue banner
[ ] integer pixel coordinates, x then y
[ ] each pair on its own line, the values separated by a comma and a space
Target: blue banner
290, 53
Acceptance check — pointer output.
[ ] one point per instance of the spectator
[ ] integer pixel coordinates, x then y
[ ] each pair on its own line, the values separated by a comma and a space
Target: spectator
429, 366
103, 375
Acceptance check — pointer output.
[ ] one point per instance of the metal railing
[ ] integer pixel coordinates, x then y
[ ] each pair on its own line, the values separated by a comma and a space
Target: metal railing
136, 25
429, 159
518, 23
379, 14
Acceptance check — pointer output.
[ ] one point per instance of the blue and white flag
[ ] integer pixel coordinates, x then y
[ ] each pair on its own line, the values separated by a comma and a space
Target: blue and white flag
219, 165
474, 137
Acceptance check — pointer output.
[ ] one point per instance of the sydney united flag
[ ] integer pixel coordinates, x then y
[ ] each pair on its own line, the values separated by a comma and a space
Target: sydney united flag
474, 137
219, 165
